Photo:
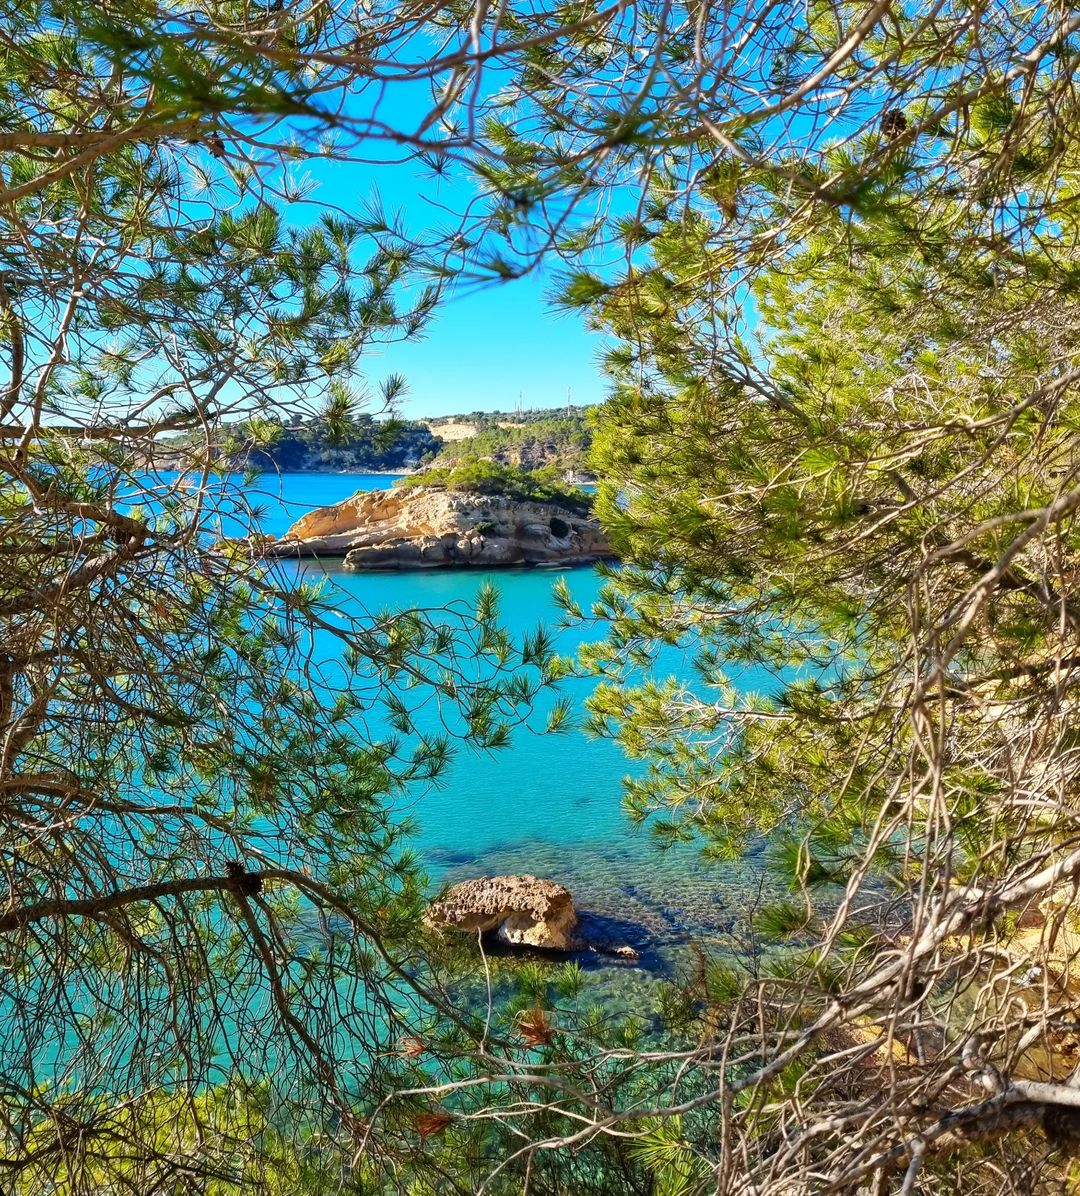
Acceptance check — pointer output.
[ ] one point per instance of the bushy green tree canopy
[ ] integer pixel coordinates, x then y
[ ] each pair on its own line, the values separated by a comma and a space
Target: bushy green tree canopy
851, 467
835, 246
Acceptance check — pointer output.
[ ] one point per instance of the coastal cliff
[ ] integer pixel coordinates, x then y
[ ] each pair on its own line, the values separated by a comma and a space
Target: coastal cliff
421, 528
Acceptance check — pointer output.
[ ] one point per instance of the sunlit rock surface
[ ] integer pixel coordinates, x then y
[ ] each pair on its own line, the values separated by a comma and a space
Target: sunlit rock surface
519, 910
419, 528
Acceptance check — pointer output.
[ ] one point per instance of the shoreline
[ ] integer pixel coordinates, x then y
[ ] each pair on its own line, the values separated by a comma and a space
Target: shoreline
456, 566
574, 477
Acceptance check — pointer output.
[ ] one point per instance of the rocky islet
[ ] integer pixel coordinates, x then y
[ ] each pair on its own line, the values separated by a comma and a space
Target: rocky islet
422, 528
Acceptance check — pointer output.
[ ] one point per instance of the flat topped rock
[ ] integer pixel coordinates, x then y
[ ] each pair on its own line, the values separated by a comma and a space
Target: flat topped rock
520, 910
523, 911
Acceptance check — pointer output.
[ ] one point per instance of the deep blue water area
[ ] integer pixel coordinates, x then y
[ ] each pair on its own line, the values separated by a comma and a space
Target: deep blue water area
547, 804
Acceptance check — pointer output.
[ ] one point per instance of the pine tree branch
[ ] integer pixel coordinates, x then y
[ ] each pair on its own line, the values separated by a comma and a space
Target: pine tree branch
93, 907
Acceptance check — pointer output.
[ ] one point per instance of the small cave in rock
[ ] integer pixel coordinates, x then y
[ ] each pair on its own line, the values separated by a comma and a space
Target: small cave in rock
559, 527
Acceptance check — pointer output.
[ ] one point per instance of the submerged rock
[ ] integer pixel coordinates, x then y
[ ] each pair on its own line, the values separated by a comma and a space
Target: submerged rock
519, 910
420, 528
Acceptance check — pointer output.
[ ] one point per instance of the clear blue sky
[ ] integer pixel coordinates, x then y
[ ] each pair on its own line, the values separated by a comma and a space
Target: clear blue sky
483, 348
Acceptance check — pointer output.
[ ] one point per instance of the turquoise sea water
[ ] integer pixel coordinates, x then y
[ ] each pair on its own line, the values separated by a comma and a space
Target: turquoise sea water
548, 804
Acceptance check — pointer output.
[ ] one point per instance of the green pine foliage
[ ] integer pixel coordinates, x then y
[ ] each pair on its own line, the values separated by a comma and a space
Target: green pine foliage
832, 250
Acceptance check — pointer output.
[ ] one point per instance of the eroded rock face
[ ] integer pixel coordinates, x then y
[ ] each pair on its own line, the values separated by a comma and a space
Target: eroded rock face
417, 528
520, 910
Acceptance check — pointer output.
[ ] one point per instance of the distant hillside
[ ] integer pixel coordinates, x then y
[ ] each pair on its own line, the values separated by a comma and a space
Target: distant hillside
369, 445
396, 446
558, 437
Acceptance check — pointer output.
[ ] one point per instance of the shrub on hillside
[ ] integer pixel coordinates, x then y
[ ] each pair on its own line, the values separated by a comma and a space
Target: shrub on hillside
489, 477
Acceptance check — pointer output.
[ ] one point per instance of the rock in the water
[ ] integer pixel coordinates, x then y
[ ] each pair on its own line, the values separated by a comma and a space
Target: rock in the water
419, 528
520, 910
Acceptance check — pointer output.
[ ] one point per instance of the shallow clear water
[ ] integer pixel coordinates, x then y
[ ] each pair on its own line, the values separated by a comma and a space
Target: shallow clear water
548, 804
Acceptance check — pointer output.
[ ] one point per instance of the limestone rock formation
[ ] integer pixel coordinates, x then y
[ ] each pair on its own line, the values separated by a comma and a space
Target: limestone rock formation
520, 910
421, 528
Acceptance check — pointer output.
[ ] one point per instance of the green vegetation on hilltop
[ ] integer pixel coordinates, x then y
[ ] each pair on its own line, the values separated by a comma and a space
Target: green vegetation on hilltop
559, 437
534, 440
489, 477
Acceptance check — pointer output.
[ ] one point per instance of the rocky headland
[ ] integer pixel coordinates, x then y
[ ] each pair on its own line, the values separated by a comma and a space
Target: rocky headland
417, 527
367, 446
554, 439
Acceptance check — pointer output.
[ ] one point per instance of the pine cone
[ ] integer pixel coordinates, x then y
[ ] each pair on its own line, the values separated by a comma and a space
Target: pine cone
893, 123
